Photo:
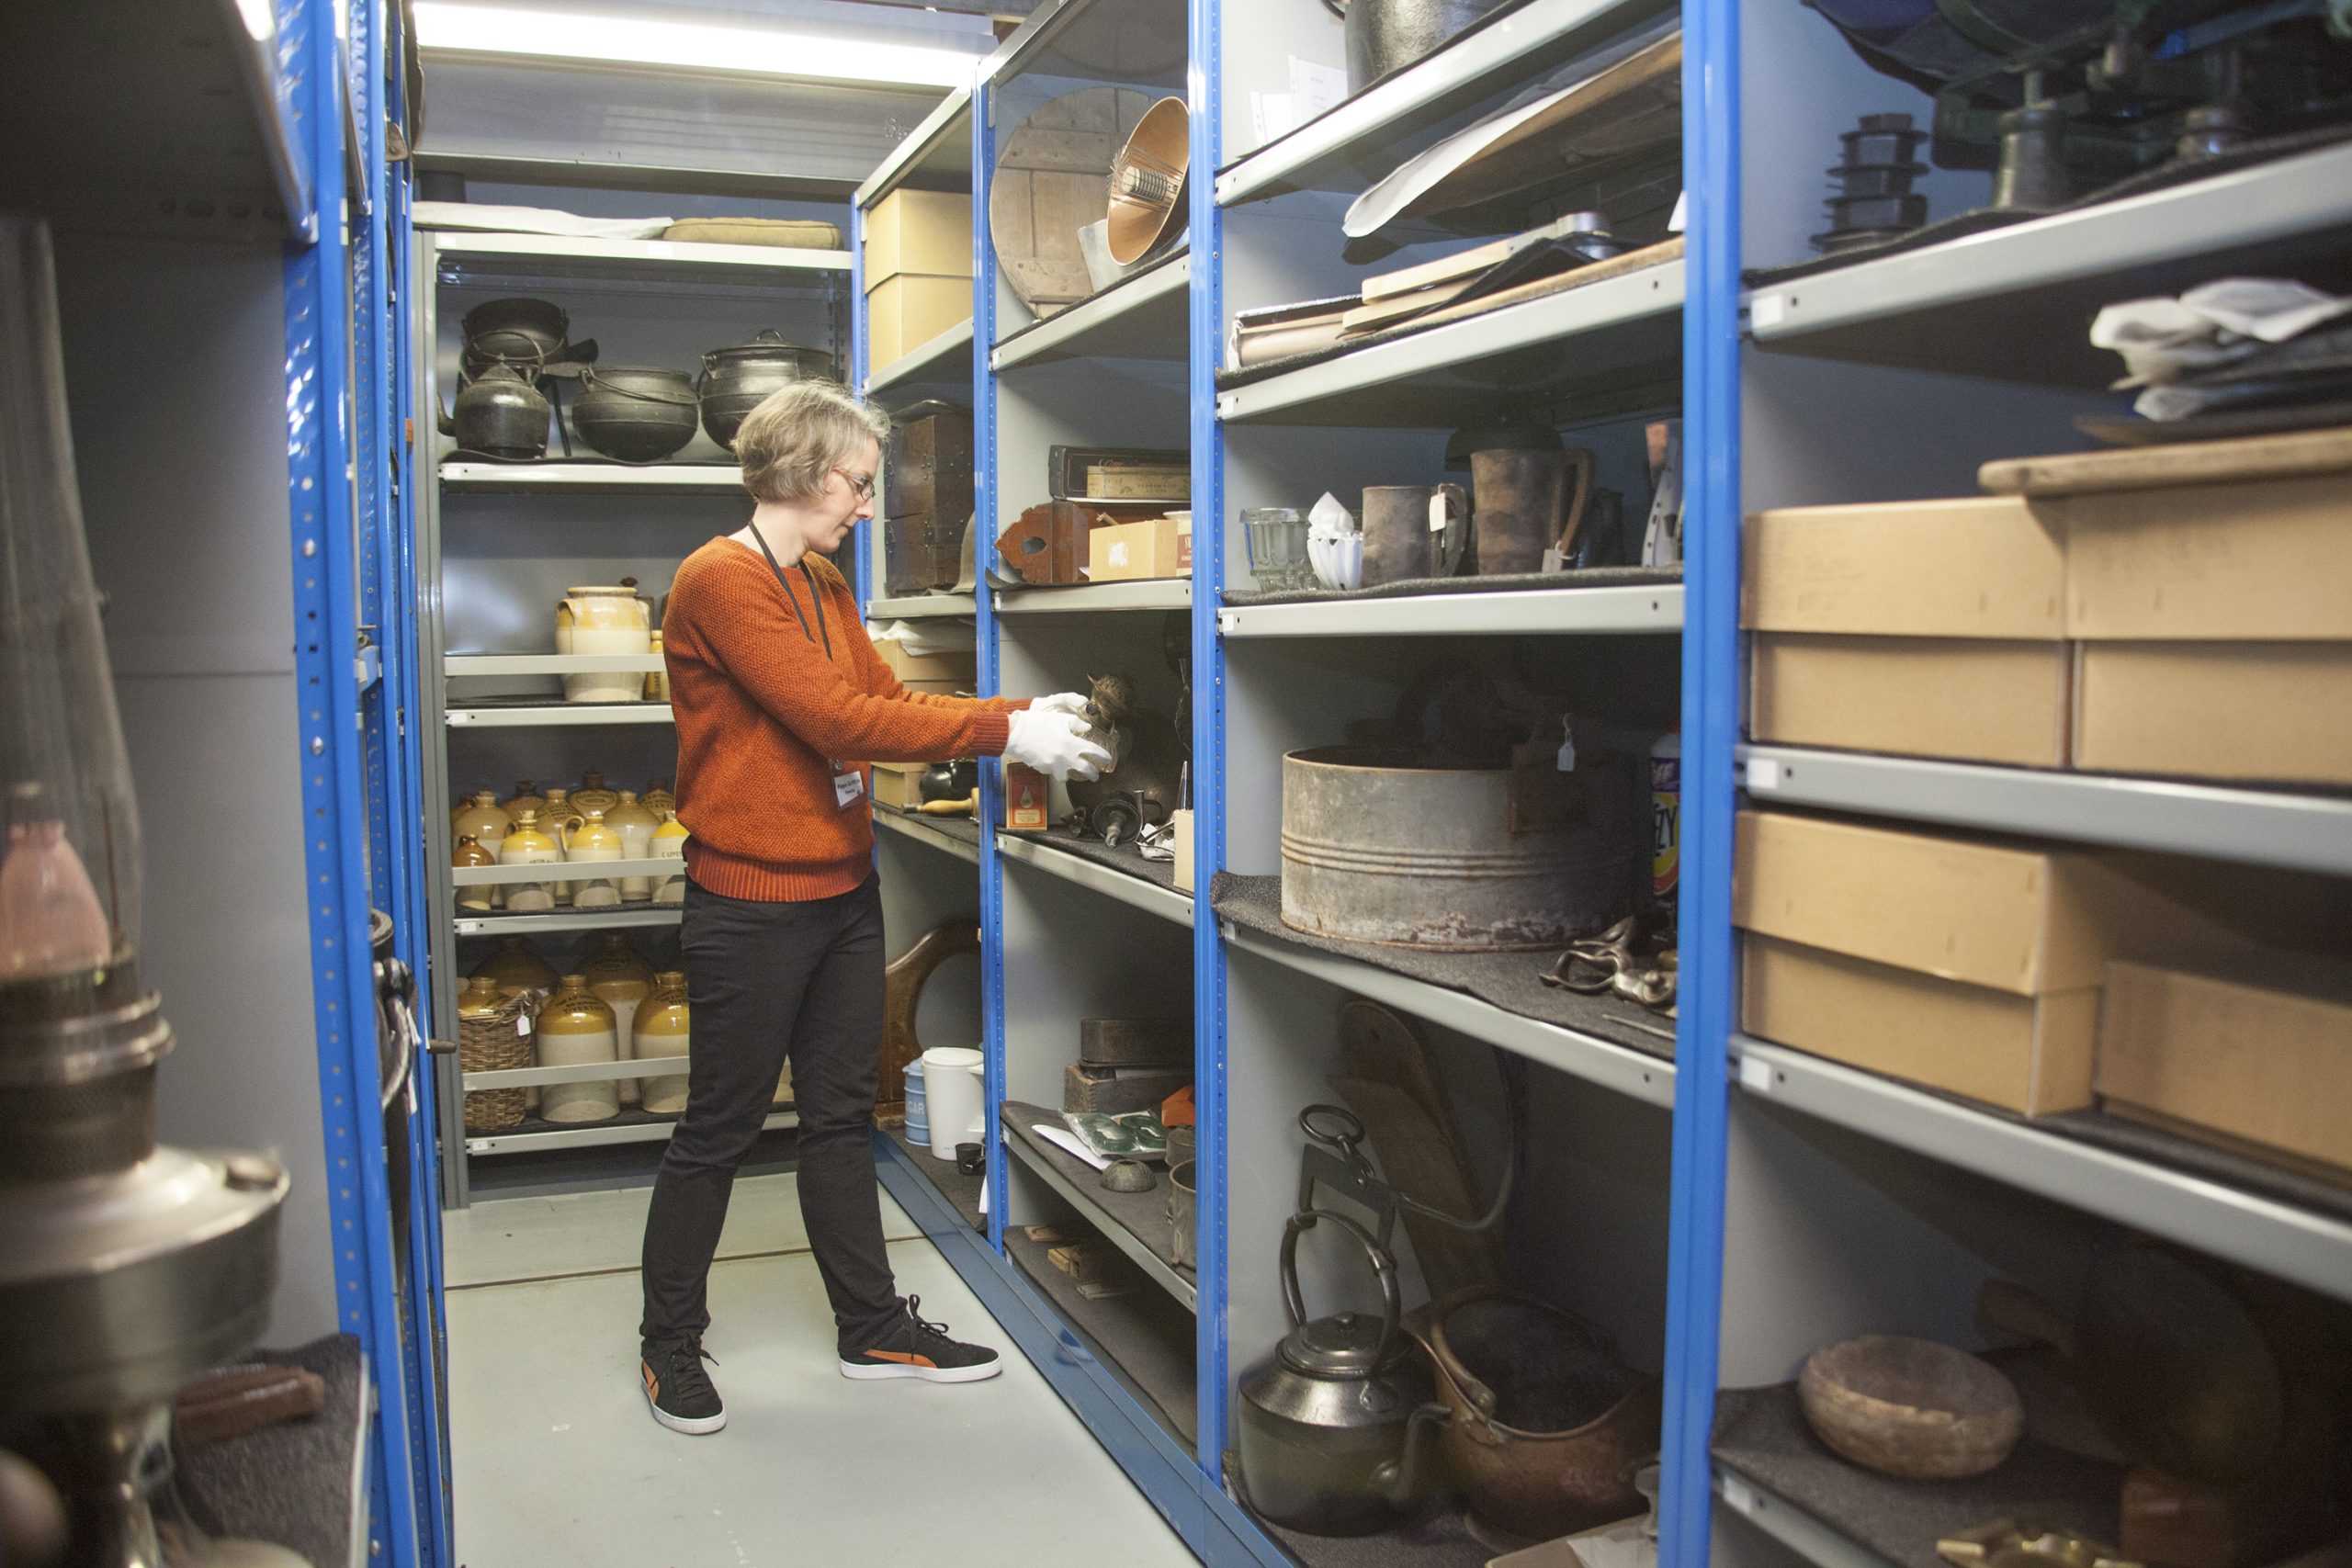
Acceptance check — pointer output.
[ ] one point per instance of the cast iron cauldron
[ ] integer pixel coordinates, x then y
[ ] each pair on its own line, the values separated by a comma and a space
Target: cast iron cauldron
1388, 35
734, 380
1332, 1422
635, 413
950, 781
527, 333
500, 415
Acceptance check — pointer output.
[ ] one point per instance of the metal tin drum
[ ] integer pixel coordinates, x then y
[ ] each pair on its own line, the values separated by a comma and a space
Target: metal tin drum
1377, 848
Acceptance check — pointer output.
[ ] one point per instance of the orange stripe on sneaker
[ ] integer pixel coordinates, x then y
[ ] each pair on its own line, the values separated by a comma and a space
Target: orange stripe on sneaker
652, 1383
904, 1357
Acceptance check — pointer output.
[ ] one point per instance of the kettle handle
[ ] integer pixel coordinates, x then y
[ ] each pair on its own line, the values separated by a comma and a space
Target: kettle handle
1392, 1306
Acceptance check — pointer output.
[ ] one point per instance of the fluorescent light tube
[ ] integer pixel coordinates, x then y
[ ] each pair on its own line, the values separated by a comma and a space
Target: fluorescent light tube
446, 27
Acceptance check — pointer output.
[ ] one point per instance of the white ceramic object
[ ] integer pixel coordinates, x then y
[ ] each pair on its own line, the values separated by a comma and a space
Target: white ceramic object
1337, 560
593, 619
951, 1086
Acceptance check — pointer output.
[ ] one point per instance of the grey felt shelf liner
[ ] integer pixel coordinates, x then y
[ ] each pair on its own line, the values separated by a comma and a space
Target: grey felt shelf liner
1142, 1214
1509, 980
1501, 582
292, 1483
1144, 1336
962, 1192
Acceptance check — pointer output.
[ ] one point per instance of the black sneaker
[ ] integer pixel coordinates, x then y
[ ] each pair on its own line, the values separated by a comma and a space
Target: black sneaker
914, 1348
678, 1390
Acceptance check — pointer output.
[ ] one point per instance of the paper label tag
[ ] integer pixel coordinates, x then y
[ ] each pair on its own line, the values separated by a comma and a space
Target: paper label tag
1766, 309
848, 787
1437, 513
1754, 1075
1739, 1496
1763, 776
522, 1023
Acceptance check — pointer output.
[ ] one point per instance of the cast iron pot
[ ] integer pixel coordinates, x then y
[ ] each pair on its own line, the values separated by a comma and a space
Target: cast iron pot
1388, 35
1544, 1427
500, 415
635, 413
1332, 1422
522, 333
950, 781
734, 380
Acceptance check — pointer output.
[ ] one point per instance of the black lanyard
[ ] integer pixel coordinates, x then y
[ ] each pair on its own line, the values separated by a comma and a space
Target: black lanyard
816, 594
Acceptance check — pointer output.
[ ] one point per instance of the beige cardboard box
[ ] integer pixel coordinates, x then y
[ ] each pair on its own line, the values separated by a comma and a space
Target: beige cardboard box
1967, 964
2260, 1066
1180, 839
1926, 627
919, 230
908, 311
2215, 627
2271, 712
1972, 699
912, 667
899, 783
1159, 548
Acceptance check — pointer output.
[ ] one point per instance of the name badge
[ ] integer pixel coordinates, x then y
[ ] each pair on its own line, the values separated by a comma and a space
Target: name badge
849, 786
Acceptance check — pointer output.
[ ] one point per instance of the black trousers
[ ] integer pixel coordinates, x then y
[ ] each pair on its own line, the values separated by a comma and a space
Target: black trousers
765, 981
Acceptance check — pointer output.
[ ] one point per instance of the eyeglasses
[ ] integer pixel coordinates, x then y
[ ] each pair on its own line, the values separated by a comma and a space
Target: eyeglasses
862, 483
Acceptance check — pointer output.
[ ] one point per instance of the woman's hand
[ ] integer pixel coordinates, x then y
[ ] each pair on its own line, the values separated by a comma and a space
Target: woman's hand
1060, 702
1049, 741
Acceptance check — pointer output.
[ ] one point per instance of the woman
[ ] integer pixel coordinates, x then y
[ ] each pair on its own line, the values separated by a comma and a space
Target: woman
781, 703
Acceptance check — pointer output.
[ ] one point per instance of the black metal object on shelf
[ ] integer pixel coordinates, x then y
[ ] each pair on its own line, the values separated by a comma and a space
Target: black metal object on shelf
1873, 200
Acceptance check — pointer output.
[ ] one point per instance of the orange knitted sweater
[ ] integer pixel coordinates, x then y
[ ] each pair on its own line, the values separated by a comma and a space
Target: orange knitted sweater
767, 714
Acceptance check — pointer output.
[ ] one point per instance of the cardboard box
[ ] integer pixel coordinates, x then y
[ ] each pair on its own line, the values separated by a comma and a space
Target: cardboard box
2261, 1064
919, 230
1028, 800
911, 667
909, 309
2216, 633
1160, 548
1180, 839
1967, 964
2271, 712
1929, 628
898, 784
943, 688
1974, 700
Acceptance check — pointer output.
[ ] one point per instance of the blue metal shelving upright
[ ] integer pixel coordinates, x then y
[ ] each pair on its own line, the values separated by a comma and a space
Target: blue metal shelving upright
349, 491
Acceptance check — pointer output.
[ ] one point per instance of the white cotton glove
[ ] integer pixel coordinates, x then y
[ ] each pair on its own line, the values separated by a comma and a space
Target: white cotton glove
1050, 742
1060, 702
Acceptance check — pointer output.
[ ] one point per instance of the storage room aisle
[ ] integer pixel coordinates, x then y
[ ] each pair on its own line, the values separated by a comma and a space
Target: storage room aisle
557, 1461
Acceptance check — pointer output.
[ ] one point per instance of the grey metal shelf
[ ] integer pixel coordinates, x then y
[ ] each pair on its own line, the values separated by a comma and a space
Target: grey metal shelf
595, 1134
2295, 1243
553, 714
575, 479
2016, 302
1148, 897
944, 361
1078, 41
1612, 610
2297, 831
919, 606
479, 255
1625, 333
1629, 1072
1823, 1545
657, 866
1145, 316
628, 917
1144, 593
1155, 1268
578, 1072
1359, 139
923, 831
937, 151
464, 666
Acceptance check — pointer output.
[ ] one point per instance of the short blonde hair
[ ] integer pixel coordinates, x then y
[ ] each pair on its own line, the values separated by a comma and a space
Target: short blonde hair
790, 445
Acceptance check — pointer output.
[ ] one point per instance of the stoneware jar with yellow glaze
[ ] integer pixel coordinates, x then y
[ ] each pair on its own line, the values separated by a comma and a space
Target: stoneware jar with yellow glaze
469, 851
593, 792
669, 844
620, 979
526, 845
527, 798
558, 817
634, 825
661, 1030
594, 841
576, 1028
657, 681
514, 966
657, 797
481, 817
593, 619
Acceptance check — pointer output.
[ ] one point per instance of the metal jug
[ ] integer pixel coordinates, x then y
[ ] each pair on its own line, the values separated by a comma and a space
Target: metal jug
1413, 531
1331, 1422
1388, 35
1527, 500
501, 414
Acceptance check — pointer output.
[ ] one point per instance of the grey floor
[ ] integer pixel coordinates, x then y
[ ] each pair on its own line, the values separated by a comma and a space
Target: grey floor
557, 1461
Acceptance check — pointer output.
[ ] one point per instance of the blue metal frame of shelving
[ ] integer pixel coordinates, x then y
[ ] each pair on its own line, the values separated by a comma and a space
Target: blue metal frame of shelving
350, 492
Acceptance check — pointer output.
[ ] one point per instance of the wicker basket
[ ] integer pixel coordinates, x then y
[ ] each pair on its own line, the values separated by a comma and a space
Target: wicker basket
488, 1043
